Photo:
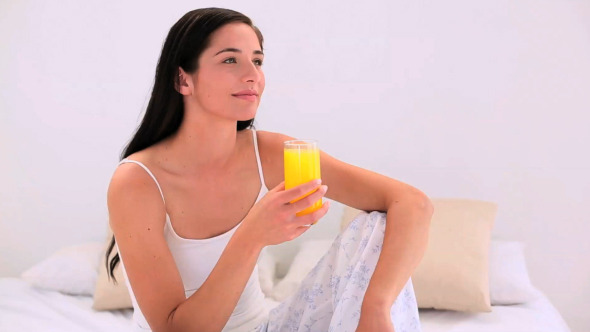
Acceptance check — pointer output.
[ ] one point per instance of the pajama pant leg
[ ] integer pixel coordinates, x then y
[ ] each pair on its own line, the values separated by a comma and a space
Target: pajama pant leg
330, 296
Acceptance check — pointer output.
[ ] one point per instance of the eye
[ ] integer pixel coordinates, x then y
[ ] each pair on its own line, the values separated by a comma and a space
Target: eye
230, 60
258, 62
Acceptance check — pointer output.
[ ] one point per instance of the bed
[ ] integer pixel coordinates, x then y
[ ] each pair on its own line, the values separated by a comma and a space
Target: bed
535, 316
60, 293
24, 307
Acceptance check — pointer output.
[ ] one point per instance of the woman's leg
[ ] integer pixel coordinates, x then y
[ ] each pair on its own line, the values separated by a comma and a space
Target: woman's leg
331, 295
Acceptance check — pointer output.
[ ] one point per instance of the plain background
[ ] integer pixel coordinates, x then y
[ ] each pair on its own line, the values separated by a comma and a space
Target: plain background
474, 99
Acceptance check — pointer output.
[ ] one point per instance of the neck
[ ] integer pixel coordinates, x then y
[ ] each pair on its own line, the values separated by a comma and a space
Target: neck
202, 145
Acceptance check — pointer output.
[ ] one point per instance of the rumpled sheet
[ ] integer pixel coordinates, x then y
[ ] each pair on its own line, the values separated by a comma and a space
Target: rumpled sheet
24, 308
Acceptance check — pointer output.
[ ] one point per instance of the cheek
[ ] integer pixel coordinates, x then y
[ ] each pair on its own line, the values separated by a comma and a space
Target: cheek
208, 88
262, 83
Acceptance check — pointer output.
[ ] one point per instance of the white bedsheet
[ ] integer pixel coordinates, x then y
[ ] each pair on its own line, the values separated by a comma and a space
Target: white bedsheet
27, 309
536, 316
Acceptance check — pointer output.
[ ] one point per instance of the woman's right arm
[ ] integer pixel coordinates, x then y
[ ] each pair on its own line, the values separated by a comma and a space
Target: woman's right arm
137, 216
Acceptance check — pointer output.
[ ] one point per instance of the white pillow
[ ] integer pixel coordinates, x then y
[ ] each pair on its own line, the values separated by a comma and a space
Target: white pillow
71, 270
267, 267
509, 278
308, 256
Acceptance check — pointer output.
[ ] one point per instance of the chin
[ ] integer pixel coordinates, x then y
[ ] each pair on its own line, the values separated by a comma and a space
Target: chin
244, 115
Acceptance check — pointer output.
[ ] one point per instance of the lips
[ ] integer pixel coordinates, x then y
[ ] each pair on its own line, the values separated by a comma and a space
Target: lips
246, 93
249, 95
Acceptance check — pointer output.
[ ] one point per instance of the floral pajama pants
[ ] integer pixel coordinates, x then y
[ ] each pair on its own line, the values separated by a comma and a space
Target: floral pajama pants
330, 296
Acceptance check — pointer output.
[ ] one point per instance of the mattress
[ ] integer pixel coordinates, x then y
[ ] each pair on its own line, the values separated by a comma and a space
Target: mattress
25, 308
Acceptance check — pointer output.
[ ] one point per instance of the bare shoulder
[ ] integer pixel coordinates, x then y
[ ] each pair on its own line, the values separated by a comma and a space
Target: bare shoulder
270, 145
273, 140
132, 191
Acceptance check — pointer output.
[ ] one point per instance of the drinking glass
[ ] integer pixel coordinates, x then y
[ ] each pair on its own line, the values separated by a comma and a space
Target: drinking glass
302, 164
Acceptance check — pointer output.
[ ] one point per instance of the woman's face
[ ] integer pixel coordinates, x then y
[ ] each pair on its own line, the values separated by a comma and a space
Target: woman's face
229, 80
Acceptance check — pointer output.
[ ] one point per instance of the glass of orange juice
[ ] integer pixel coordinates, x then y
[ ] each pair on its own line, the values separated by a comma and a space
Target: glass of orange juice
302, 164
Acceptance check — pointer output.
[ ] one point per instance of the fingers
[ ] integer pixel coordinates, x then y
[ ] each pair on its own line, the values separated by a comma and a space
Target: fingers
310, 219
301, 190
300, 230
309, 200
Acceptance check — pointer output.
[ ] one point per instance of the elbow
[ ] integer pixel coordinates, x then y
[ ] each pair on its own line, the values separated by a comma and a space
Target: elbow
423, 204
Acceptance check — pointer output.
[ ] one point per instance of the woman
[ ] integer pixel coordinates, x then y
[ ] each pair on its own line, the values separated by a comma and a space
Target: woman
191, 212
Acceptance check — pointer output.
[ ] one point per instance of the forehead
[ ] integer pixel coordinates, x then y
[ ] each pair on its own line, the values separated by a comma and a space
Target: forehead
238, 35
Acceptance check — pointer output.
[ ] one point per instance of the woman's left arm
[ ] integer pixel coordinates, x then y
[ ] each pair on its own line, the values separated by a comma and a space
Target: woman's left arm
406, 233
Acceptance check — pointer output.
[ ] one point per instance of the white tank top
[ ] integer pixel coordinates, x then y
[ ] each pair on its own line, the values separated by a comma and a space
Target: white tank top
196, 259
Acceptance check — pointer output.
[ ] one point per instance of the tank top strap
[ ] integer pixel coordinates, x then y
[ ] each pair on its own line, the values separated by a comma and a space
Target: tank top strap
126, 161
258, 158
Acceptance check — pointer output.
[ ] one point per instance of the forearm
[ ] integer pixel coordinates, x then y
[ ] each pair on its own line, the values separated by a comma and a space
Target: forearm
211, 306
404, 244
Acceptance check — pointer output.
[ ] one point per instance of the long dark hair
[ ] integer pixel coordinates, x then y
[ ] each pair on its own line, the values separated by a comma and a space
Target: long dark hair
186, 40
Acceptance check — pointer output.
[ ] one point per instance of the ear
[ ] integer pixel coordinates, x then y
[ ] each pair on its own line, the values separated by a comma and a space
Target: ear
183, 83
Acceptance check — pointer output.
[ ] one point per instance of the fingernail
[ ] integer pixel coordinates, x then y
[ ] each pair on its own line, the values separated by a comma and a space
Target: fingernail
324, 188
317, 182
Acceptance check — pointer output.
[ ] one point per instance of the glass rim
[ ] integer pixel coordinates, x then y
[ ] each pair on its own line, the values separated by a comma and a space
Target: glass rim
296, 143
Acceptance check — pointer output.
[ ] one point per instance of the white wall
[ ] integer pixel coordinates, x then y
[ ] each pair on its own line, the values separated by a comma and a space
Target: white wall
478, 99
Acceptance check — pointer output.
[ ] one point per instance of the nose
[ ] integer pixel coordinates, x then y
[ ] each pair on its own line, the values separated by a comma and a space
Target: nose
251, 73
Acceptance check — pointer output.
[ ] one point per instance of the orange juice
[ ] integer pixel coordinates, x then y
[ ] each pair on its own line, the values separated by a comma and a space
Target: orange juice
302, 164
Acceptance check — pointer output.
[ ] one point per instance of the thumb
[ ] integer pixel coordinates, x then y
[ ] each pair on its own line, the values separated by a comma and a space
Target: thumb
279, 187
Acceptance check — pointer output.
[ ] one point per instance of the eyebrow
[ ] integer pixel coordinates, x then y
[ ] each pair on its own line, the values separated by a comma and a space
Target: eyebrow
235, 50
